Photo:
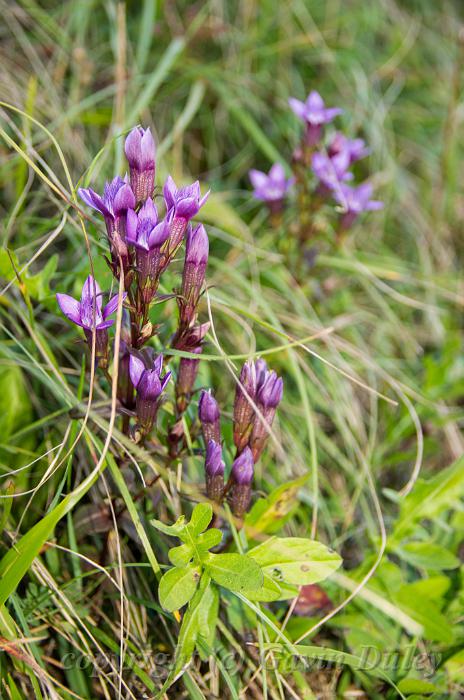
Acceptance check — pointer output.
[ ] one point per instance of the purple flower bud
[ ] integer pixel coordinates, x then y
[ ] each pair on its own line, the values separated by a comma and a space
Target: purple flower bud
209, 414
140, 154
196, 257
190, 337
268, 396
188, 370
245, 393
117, 199
271, 188
88, 314
146, 376
214, 471
242, 476
314, 113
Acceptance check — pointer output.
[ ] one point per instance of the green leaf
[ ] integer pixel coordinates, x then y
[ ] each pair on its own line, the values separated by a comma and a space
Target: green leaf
325, 654
211, 538
410, 686
427, 556
429, 498
237, 572
208, 615
190, 630
177, 587
271, 513
202, 515
173, 530
270, 590
180, 556
295, 559
15, 405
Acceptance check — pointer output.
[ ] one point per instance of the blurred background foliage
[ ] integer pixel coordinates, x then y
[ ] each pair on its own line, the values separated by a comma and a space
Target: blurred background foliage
212, 78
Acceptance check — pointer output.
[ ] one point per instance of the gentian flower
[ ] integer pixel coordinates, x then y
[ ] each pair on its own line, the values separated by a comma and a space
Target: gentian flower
183, 204
331, 171
242, 476
271, 188
193, 276
148, 236
354, 148
314, 113
243, 408
214, 471
269, 389
117, 199
88, 314
209, 415
354, 201
146, 376
140, 153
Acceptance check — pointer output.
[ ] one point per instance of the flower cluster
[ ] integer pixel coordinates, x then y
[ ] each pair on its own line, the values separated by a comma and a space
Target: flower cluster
329, 163
258, 393
143, 242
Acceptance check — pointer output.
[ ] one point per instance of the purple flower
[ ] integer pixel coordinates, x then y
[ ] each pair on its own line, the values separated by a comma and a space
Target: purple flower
209, 414
214, 471
117, 199
270, 188
314, 113
182, 204
146, 376
331, 170
358, 199
88, 314
193, 276
354, 201
140, 153
242, 476
185, 201
148, 236
244, 411
354, 148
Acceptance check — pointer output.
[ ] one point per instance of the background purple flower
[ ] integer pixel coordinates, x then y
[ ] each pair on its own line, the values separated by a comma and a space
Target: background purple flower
355, 149
357, 199
313, 111
331, 171
271, 187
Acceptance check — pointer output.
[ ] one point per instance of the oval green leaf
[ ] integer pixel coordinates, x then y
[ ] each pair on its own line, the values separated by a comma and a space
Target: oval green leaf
237, 572
177, 587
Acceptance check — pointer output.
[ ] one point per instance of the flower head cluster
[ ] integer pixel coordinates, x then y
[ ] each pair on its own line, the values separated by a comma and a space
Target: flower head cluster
142, 244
